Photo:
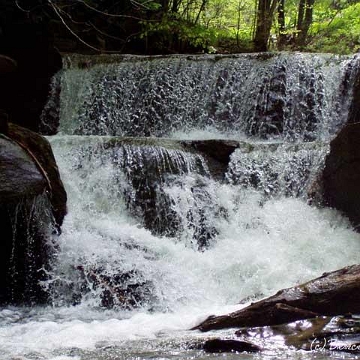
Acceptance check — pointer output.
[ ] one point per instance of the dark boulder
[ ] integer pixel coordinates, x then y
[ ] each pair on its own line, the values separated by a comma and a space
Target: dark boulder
340, 181
32, 205
216, 152
41, 153
229, 345
19, 176
341, 175
334, 293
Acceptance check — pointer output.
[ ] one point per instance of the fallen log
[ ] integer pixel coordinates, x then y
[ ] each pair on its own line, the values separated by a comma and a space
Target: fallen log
334, 293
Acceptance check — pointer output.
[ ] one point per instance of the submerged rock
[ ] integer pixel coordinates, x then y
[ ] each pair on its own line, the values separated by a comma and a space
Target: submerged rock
331, 294
32, 204
124, 290
221, 346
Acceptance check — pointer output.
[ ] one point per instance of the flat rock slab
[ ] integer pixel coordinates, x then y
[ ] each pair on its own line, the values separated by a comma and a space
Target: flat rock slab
333, 293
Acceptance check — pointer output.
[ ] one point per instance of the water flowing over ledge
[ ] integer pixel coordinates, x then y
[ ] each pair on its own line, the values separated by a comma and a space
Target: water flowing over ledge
288, 96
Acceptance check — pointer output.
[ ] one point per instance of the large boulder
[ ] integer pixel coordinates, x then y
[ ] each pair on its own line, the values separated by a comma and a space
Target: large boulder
41, 153
340, 181
334, 293
32, 206
341, 175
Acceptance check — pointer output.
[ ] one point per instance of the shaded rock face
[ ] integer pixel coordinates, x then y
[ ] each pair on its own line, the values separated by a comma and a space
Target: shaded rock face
25, 249
32, 205
331, 294
340, 180
341, 175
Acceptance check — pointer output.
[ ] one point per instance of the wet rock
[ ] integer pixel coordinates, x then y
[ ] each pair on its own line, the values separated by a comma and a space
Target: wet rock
19, 176
216, 152
41, 153
221, 346
331, 294
32, 204
339, 333
125, 290
341, 175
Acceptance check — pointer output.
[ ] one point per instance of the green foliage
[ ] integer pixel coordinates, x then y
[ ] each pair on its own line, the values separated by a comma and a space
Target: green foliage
339, 32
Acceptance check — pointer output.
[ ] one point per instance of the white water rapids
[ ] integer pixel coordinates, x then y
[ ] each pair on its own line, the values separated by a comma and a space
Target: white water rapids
263, 238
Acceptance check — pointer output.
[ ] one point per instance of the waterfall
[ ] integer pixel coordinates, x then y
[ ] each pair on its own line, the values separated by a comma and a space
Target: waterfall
288, 96
283, 107
153, 242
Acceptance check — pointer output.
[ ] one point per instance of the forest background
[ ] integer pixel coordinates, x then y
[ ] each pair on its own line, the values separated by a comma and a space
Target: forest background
178, 26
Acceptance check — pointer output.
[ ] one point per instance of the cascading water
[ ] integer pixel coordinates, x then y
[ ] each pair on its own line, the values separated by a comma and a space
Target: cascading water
152, 243
294, 96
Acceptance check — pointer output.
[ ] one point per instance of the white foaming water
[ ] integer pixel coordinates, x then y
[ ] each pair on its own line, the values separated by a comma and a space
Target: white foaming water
258, 247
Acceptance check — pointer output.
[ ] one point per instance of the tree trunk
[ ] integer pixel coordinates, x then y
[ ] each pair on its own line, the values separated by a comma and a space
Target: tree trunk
202, 8
281, 22
265, 15
304, 21
175, 6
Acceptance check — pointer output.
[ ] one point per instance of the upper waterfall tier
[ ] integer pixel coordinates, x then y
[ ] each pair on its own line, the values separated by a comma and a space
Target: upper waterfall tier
288, 96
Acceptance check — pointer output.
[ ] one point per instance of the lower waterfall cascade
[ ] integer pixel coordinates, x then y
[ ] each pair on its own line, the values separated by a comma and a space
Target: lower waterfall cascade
153, 243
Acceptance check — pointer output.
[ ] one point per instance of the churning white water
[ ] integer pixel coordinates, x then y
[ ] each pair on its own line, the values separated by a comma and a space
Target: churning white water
262, 245
152, 244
